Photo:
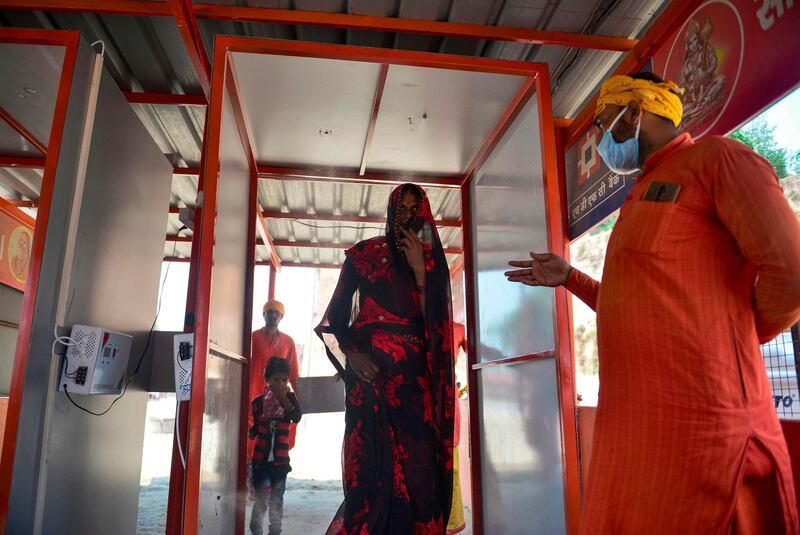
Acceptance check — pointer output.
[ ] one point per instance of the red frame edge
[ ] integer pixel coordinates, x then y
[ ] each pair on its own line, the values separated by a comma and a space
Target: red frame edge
201, 342
558, 242
70, 41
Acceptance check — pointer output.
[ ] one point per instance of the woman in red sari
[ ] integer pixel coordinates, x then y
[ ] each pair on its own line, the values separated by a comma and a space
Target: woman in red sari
388, 331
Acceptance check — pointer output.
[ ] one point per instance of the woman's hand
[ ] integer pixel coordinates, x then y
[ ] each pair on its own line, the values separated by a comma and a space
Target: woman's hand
412, 248
362, 365
545, 269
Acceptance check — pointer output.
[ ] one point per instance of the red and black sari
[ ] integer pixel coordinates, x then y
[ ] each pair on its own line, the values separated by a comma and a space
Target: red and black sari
398, 444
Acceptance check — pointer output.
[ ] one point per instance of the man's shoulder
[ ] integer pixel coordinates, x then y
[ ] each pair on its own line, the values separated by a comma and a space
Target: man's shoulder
721, 145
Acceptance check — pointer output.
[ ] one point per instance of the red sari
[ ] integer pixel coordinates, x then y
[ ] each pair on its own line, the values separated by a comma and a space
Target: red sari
397, 455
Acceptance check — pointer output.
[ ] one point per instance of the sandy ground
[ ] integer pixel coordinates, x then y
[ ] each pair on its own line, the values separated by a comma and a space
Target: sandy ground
309, 506
313, 491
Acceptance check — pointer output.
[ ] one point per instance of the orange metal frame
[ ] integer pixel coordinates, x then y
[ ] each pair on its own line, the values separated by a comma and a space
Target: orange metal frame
315, 18
555, 198
69, 40
223, 78
186, 15
24, 132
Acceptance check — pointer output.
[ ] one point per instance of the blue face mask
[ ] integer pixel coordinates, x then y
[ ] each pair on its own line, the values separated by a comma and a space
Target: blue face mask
621, 158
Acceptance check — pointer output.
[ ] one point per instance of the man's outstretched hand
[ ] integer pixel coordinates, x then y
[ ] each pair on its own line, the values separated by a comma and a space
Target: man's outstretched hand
544, 269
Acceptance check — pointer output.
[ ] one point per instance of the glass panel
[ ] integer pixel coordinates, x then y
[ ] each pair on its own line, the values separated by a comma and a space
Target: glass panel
523, 488
509, 221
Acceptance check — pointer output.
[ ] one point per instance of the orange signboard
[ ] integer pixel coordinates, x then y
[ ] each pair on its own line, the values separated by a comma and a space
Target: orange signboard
16, 237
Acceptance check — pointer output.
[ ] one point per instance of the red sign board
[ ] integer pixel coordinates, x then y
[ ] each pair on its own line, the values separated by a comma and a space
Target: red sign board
16, 237
733, 58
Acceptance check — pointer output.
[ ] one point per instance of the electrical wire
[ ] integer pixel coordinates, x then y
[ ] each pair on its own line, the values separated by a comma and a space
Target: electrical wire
65, 341
178, 429
335, 226
591, 30
147, 344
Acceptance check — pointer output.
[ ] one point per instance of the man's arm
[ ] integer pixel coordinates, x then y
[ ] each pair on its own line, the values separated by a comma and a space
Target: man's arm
750, 203
548, 269
584, 287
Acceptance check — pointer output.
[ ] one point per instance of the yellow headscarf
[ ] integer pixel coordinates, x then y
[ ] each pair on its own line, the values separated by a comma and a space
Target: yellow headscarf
662, 99
274, 305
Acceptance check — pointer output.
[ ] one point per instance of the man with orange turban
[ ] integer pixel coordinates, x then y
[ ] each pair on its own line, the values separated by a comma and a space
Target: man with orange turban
269, 342
703, 265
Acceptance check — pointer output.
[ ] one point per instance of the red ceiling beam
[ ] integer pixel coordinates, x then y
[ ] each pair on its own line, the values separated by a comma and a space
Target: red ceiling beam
376, 107
413, 26
267, 263
331, 245
168, 99
19, 203
110, 7
22, 162
246, 138
187, 26
266, 238
271, 214
21, 130
313, 265
186, 171
332, 20
505, 122
179, 239
656, 36
170, 238
245, 132
560, 122
458, 265
343, 175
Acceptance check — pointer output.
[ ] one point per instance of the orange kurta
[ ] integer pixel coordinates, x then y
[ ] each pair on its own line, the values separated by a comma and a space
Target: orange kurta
689, 289
264, 348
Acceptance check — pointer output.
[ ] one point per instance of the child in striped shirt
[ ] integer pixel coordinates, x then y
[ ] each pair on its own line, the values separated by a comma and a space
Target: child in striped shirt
272, 413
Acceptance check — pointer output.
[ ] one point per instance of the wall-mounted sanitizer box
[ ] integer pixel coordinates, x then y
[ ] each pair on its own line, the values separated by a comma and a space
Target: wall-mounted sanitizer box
96, 361
183, 356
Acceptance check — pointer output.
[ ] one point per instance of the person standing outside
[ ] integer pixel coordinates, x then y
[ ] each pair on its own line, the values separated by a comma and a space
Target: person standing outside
272, 413
701, 267
269, 342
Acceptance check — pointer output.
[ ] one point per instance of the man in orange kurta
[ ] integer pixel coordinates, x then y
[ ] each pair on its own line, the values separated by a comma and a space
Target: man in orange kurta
703, 264
269, 342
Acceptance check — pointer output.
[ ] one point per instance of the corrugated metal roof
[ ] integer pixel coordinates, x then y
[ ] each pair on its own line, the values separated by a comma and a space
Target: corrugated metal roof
148, 54
321, 199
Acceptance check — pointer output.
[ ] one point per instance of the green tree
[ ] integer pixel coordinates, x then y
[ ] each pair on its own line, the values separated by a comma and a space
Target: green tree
760, 136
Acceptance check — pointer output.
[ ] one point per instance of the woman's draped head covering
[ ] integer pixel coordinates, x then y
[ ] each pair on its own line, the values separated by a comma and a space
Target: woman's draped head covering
662, 99
423, 210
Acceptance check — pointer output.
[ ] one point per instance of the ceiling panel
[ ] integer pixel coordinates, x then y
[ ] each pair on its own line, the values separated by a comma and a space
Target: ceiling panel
30, 76
307, 111
434, 120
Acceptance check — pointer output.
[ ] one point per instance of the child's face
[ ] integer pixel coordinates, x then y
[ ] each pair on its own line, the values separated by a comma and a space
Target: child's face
278, 381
